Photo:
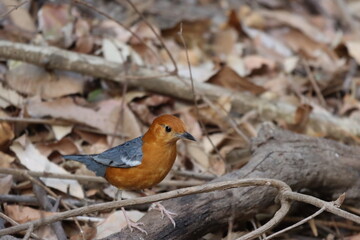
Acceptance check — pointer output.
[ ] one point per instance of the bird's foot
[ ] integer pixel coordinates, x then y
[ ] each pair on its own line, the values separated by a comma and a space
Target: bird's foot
131, 224
158, 206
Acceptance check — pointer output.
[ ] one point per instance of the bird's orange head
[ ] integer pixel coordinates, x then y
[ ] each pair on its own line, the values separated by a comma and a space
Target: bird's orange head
167, 129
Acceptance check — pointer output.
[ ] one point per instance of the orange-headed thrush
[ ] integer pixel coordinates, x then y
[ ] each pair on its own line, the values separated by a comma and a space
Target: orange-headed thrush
141, 162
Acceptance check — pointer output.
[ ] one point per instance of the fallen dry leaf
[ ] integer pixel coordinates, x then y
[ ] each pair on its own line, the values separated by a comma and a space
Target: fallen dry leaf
53, 21
237, 64
33, 160
61, 131
298, 22
269, 42
6, 130
5, 184
228, 78
46, 232
84, 41
301, 118
65, 146
10, 97
251, 18
115, 221
256, 62
33, 80
354, 50
200, 73
217, 165
23, 214
109, 27
198, 156
224, 42
216, 139
104, 118
21, 17
6, 160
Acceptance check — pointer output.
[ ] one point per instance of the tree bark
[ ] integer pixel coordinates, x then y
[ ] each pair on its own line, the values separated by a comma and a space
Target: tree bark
324, 167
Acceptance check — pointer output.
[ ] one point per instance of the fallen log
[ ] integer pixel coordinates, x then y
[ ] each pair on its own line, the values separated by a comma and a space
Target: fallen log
321, 166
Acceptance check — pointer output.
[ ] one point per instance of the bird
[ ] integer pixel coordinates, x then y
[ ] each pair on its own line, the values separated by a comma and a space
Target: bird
142, 162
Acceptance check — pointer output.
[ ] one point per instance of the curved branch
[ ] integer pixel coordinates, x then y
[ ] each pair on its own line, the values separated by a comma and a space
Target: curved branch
150, 199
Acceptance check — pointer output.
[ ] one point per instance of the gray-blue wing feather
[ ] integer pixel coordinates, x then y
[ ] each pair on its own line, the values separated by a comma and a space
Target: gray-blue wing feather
126, 155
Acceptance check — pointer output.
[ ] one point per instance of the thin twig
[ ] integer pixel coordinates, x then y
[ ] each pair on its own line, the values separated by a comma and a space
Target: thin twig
278, 216
298, 223
197, 112
200, 176
175, 71
314, 83
28, 232
23, 172
13, 9
14, 223
330, 207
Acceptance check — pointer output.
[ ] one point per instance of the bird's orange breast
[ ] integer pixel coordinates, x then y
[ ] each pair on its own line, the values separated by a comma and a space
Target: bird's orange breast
156, 163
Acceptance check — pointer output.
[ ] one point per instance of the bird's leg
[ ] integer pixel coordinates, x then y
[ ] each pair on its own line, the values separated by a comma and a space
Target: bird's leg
118, 195
130, 223
158, 206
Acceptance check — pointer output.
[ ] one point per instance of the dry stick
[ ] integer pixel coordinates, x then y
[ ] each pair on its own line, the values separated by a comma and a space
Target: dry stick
278, 216
22, 172
14, 223
118, 22
13, 9
200, 176
286, 196
314, 83
330, 207
297, 224
155, 33
202, 125
344, 224
281, 186
28, 232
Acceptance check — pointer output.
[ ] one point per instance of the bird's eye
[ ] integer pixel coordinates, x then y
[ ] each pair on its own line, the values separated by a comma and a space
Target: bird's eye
167, 128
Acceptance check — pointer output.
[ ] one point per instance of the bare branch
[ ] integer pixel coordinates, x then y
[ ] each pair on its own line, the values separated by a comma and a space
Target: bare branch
281, 186
22, 172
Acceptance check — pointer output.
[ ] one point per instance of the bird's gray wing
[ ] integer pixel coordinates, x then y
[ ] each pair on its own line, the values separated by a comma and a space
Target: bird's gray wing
126, 155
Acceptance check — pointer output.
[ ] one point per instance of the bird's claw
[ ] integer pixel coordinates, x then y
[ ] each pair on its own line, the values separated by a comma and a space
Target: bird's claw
131, 224
164, 212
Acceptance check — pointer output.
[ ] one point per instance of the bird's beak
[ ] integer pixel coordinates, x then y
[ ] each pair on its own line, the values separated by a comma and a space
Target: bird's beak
187, 135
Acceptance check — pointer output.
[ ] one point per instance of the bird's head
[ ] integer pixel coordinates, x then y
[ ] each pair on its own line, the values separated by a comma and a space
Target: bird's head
168, 128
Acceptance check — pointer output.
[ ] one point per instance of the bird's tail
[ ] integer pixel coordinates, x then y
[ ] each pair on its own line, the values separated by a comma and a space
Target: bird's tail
90, 163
